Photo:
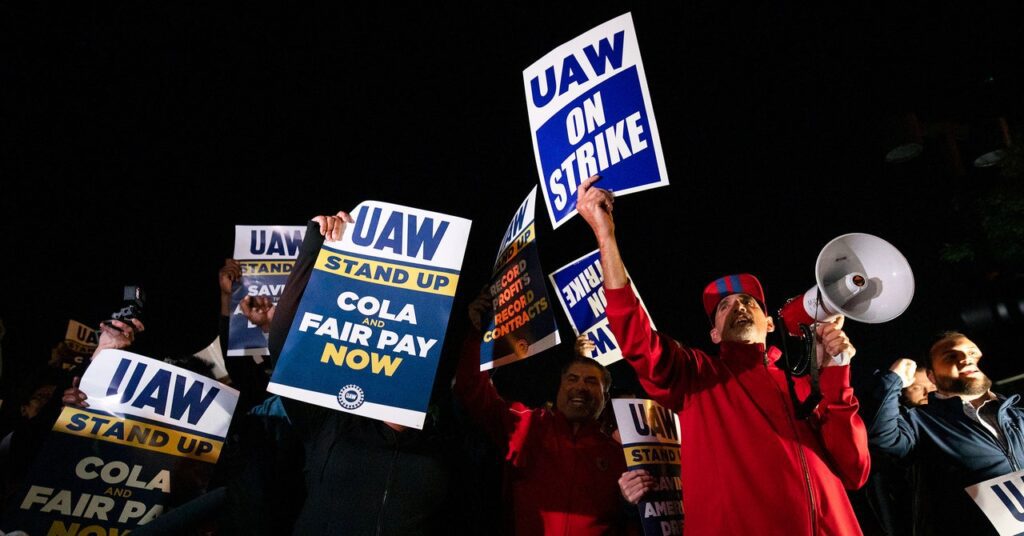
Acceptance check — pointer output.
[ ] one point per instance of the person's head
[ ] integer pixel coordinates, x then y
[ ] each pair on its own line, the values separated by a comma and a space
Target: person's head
953, 360
583, 390
735, 306
916, 394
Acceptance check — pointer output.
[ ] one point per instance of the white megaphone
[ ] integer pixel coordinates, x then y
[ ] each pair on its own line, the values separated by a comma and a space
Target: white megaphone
859, 276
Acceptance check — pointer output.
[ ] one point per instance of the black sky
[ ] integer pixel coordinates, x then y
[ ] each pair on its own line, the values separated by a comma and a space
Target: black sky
135, 136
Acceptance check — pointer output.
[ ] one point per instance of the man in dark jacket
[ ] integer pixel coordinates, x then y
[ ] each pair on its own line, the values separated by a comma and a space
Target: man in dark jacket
964, 435
363, 476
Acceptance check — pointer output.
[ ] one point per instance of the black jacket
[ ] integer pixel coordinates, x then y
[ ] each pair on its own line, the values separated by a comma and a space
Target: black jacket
362, 477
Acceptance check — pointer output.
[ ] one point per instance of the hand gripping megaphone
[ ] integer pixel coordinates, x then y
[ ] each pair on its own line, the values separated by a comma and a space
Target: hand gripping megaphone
859, 276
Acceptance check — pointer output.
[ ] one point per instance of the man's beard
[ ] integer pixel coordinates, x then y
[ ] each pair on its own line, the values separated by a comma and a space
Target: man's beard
964, 386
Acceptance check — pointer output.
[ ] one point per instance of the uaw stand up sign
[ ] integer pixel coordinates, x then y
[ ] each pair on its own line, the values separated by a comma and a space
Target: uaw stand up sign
650, 440
267, 255
148, 440
368, 331
590, 113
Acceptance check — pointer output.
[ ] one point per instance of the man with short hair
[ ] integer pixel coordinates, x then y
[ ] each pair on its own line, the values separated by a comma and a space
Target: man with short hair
916, 392
561, 466
749, 465
965, 434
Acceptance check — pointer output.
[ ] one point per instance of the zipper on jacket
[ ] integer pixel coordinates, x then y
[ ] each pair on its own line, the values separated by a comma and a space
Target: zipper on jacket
1008, 451
1009, 446
799, 449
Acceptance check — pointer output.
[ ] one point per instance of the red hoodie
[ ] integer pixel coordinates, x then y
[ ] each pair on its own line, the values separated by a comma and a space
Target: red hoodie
749, 466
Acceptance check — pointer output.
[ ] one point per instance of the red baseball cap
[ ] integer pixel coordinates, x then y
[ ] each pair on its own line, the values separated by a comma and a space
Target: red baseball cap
729, 285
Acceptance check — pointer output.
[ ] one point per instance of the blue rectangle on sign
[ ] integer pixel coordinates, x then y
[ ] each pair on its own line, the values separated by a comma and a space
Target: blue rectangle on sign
605, 131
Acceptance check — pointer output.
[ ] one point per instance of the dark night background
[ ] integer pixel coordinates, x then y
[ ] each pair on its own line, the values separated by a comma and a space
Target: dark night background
135, 136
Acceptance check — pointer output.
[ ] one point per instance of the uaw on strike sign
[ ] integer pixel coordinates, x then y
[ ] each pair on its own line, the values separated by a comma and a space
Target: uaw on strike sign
148, 440
368, 331
590, 113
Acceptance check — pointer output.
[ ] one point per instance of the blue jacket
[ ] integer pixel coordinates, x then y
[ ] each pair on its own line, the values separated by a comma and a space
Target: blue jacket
948, 450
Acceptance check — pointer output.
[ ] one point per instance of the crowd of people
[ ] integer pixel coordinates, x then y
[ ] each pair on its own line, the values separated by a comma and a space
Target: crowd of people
482, 464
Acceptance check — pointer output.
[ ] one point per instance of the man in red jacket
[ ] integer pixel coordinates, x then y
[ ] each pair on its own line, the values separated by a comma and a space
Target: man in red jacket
749, 466
561, 466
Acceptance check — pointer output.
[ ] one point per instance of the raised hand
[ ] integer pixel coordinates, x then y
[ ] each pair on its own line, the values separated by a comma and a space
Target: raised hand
228, 275
584, 346
259, 310
595, 205
117, 334
905, 369
479, 309
332, 228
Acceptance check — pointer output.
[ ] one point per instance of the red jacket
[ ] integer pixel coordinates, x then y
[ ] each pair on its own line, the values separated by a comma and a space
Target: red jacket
748, 465
559, 483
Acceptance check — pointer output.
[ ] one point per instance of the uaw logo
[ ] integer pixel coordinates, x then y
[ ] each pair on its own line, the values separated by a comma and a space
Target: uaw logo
351, 396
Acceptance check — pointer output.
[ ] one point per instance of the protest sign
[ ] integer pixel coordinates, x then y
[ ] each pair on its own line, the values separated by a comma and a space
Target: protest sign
523, 322
590, 113
80, 338
267, 255
149, 439
368, 331
650, 441
1002, 501
580, 288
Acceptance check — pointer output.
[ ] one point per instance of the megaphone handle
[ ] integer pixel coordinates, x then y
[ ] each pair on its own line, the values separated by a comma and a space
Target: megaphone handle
843, 358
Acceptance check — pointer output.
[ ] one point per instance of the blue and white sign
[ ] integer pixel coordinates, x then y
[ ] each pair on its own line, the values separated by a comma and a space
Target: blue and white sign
523, 321
650, 441
580, 287
368, 331
1002, 500
267, 255
148, 440
590, 113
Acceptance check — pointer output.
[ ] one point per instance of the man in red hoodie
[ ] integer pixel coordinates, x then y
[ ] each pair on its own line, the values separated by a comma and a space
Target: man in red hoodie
749, 465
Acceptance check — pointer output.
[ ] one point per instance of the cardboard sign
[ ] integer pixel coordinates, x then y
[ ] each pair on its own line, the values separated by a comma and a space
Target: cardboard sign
650, 441
149, 438
368, 332
1002, 501
590, 113
80, 338
580, 287
267, 255
523, 322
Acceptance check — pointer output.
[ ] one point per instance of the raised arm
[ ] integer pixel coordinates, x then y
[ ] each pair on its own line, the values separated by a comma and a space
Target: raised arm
498, 418
317, 230
595, 206
665, 369
889, 428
